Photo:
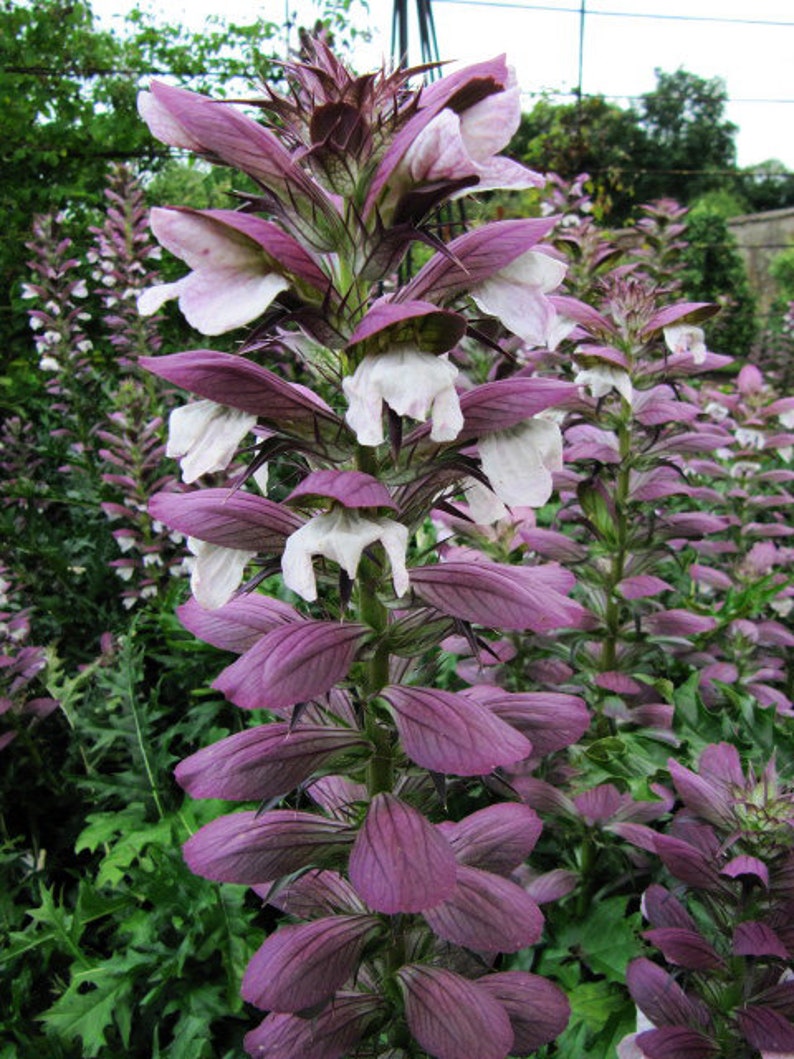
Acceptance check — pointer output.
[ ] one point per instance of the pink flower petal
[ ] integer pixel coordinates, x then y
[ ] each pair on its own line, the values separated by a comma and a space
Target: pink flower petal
446, 732
291, 664
538, 1009
685, 947
486, 912
304, 964
497, 838
452, 1017
239, 624
331, 1034
239, 383
251, 847
500, 596
263, 762
230, 520
400, 862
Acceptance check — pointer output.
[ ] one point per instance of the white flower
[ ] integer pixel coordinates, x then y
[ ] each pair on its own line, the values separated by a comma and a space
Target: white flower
741, 468
216, 572
230, 284
786, 419
261, 476
716, 411
49, 364
519, 462
749, 438
205, 435
602, 378
80, 290
453, 145
485, 507
516, 295
684, 338
28, 291
412, 384
342, 536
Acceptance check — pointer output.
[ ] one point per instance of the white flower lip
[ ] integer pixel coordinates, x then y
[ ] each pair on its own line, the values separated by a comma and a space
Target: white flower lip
412, 384
601, 378
342, 536
217, 572
519, 462
204, 436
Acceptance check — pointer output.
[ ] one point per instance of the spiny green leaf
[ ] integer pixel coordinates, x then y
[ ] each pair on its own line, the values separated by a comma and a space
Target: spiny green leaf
90, 1013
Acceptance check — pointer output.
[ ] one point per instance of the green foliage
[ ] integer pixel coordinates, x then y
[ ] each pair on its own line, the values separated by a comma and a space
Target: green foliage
587, 955
782, 272
129, 951
676, 144
691, 141
592, 136
68, 91
714, 271
767, 186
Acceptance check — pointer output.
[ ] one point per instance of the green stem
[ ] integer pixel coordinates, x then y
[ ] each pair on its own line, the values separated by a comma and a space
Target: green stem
372, 612
614, 603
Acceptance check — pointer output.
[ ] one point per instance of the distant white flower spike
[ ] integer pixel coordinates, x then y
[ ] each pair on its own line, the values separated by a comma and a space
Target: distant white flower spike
519, 462
205, 435
342, 536
412, 384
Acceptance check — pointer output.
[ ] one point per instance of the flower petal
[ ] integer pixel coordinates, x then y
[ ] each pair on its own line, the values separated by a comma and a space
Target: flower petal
499, 595
252, 847
486, 912
452, 1017
538, 1009
204, 436
330, 1034
217, 572
292, 663
400, 862
301, 965
446, 732
497, 838
516, 295
238, 624
262, 762
519, 462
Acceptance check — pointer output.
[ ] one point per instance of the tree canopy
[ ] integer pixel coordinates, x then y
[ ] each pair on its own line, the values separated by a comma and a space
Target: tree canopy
68, 90
676, 143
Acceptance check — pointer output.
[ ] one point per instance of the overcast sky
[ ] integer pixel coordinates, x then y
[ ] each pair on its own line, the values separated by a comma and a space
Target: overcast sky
750, 46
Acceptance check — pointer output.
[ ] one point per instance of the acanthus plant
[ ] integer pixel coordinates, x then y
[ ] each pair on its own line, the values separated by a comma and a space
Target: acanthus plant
724, 924
23, 701
58, 318
124, 258
400, 897
745, 573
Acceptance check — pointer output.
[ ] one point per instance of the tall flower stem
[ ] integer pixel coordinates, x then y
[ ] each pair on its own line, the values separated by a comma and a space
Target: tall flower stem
613, 605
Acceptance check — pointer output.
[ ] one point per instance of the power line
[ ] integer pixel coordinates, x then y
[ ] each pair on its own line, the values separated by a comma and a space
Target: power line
557, 93
620, 14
